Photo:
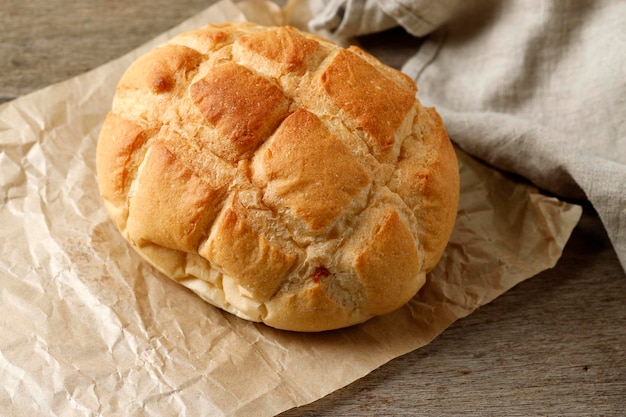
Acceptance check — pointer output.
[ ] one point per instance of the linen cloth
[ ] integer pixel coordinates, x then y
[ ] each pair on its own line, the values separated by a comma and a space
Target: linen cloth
535, 88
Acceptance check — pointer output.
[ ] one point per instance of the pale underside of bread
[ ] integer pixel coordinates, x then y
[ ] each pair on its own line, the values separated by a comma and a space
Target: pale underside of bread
278, 176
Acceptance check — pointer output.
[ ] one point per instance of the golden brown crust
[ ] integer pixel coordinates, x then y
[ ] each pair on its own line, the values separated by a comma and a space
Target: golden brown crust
114, 154
312, 309
156, 71
237, 250
431, 188
171, 207
285, 46
280, 177
116, 161
371, 101
244, 107
388, 261
309, 170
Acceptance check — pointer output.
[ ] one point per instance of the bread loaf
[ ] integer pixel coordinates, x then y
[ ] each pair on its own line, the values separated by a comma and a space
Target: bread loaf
280, 177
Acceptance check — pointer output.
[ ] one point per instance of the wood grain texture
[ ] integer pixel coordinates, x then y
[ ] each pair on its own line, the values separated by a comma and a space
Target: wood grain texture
43, 42
553, 345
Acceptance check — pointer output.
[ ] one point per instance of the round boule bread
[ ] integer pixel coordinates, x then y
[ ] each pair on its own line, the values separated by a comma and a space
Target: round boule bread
279, 176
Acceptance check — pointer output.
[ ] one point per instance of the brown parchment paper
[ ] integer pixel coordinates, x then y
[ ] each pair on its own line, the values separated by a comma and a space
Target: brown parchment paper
88, 328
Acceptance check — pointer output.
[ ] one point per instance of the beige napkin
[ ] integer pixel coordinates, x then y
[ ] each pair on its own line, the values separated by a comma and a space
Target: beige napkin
88, 327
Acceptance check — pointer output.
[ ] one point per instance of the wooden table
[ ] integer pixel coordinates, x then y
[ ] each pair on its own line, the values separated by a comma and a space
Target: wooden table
554, 345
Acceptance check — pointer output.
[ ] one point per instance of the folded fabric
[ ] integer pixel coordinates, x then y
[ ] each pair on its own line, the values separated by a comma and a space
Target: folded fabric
534, 88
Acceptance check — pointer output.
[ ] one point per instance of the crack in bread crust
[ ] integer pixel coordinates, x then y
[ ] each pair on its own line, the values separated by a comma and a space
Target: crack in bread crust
279, 176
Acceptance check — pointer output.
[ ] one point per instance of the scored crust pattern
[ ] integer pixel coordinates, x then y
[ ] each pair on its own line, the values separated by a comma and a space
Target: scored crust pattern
280, 177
